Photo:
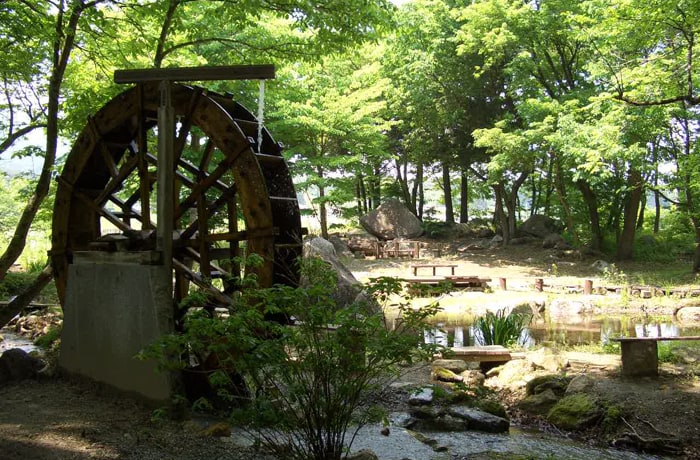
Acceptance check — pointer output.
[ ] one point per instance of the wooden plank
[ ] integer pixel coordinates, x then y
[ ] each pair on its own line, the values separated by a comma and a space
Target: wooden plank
228, 72
654, 339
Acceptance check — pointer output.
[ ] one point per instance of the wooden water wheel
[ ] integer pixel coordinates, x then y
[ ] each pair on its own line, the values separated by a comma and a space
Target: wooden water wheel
233, 195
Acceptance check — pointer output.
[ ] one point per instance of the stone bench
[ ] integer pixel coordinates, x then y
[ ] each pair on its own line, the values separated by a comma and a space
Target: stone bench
487, 353
640, 356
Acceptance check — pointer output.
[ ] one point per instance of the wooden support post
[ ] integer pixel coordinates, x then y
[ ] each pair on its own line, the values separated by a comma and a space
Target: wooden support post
588, 287
502, 282
166, 173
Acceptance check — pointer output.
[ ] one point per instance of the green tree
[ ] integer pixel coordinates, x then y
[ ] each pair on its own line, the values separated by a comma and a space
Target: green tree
52, 46
650, 59
332, 117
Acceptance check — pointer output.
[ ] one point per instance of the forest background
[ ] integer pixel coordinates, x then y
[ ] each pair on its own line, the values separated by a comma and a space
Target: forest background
583, 110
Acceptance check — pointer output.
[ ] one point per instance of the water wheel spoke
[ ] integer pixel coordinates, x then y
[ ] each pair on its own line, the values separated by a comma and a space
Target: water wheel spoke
215, 269
107, 214
192, 169
186, 125
128, 211
212, 210
201, 283
115, 182
207, 154
208, 181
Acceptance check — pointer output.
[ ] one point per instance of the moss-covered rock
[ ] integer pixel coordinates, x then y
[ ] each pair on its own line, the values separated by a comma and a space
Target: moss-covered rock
445, 375
492, 407
575, 412
554, 382
539, 404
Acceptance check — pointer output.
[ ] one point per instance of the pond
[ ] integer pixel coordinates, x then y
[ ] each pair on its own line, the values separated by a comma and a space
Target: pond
574, 330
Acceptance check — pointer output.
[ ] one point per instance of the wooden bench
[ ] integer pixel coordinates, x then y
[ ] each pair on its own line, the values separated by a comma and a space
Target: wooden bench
398, 249
434, 267
640, 356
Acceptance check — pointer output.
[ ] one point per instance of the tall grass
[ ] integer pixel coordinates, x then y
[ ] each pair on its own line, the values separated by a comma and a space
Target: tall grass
500, 328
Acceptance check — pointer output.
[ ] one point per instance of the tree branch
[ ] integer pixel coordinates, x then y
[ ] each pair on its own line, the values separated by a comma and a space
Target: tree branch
689, 99
15, 135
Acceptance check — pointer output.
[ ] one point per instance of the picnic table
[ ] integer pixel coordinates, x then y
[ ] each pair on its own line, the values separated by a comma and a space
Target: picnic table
434, 268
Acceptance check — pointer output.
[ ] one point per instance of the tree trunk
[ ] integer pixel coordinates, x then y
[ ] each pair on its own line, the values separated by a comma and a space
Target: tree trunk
642, 207
63, 45
447, 188
376, 187
536, 186
16, 305
464, 197
550, 187
696, 258
402, 179
418, 194
322, 210
625, 245
499, 213
561, 193
591, 201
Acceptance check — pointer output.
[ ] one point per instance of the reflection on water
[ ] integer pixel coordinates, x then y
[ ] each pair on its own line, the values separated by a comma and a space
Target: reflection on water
9, 339
577, 330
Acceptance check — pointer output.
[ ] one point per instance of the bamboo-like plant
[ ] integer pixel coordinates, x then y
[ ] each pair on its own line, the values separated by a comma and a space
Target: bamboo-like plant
501, 328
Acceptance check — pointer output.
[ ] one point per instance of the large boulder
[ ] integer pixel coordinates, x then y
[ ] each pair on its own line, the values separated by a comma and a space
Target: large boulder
688, 314
341, 247
362, 244
540, 226
348, 288
392, 220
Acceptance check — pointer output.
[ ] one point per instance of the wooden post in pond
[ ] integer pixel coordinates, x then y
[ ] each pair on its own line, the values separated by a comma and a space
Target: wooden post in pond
502, 283
539, 284
588, 287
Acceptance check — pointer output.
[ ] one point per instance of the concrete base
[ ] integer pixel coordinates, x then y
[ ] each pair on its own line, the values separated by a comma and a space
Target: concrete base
113, 309
639, 358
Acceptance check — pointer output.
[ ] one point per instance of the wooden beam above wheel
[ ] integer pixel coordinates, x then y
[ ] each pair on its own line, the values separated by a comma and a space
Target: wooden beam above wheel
231, 72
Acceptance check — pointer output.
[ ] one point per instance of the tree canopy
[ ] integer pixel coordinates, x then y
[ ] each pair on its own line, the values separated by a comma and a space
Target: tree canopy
586, 111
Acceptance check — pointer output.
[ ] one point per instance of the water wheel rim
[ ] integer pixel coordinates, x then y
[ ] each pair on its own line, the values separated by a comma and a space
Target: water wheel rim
96, 166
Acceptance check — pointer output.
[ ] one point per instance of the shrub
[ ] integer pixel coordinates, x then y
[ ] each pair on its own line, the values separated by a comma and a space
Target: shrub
500, 328
311, 385
15, 283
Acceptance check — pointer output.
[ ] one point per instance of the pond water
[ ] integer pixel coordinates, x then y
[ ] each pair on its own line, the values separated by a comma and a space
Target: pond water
13, 340
575, 330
